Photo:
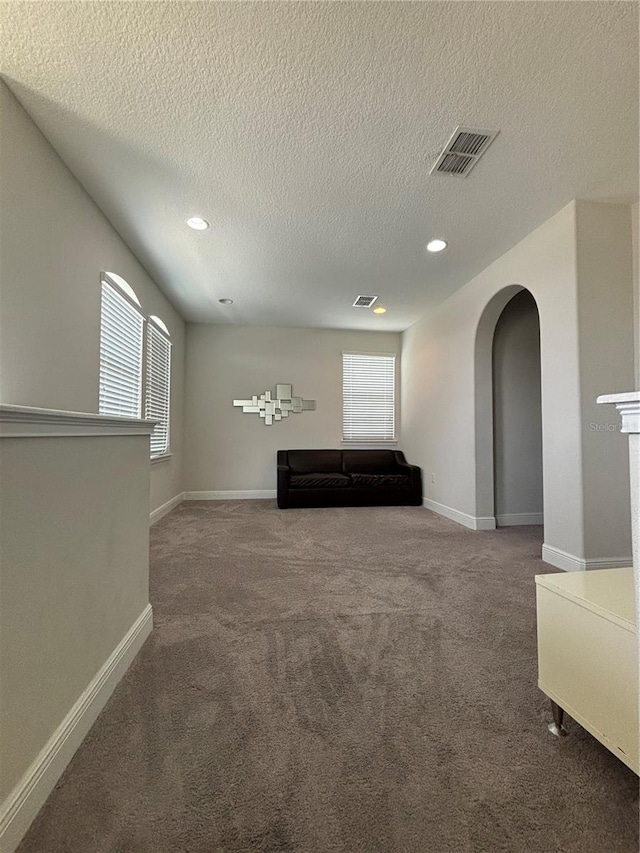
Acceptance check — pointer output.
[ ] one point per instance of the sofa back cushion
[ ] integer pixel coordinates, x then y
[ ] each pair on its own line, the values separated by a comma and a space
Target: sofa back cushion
368, 461
306, 461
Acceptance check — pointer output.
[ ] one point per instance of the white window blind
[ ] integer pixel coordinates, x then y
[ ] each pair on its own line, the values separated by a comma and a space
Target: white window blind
121, 330
368, 385
158, 388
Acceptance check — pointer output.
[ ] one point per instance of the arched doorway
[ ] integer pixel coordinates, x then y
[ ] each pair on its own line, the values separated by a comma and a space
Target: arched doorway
517, 414
485, 435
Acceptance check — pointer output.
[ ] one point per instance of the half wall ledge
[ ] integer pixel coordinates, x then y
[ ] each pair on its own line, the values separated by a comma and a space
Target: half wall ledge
30, 422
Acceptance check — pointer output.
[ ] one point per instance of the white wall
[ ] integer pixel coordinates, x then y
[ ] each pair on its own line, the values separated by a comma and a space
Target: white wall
54, 244
635, 225
440, 428
606, 325
446, 387
517, 413
227, 449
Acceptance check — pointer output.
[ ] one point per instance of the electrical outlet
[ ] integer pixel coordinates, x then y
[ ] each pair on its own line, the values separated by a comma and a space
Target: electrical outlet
433, 479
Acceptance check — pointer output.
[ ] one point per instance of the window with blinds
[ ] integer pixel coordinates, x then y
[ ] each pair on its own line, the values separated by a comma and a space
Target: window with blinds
121, 333
158, 388
368, 387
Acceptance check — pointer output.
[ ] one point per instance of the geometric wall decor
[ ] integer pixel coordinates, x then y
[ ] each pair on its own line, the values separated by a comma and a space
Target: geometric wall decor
283, 404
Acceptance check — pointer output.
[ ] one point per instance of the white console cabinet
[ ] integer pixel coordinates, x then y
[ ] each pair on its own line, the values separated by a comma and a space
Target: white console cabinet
588, 654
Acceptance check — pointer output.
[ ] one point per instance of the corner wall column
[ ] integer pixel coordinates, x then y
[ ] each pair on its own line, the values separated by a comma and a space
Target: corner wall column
629, 407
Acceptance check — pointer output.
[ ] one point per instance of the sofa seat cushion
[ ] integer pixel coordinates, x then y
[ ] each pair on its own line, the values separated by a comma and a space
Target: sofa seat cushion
387, 480
319, 480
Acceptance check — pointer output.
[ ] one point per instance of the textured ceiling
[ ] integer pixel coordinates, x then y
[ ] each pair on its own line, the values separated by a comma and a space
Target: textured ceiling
305, 132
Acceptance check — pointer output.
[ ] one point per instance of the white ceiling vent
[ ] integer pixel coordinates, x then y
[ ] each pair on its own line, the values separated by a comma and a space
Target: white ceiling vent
364, 301
463, 150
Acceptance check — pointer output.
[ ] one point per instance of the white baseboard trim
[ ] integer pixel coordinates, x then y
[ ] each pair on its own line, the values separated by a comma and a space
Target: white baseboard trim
608, 563
243, 495
570, 563
562, 559
516, 519
166, 508
25, 801
469, 521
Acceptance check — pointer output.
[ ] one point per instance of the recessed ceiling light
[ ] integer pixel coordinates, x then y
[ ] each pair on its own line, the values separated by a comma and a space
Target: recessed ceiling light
379, 310
436, 245
225, 301
197, 223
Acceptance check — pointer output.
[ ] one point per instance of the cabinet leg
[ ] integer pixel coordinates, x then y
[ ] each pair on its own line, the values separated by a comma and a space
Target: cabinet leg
556, 727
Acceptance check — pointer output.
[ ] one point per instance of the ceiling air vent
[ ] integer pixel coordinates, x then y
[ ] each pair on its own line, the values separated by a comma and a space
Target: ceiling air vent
364, 301
463, 150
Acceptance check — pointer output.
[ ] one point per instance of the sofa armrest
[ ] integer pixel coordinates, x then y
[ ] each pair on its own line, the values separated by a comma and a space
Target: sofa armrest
399, 457
413, 471
416, 480
284, 474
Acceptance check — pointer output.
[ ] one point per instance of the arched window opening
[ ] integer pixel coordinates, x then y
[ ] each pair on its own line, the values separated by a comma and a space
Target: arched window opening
135, 361
158, 384
124, 286
121, 346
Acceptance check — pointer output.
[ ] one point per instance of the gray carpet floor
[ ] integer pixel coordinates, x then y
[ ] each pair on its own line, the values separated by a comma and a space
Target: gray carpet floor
337, 681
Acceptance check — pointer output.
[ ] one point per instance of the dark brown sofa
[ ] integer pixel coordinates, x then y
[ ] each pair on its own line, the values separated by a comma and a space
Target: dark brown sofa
310, 478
